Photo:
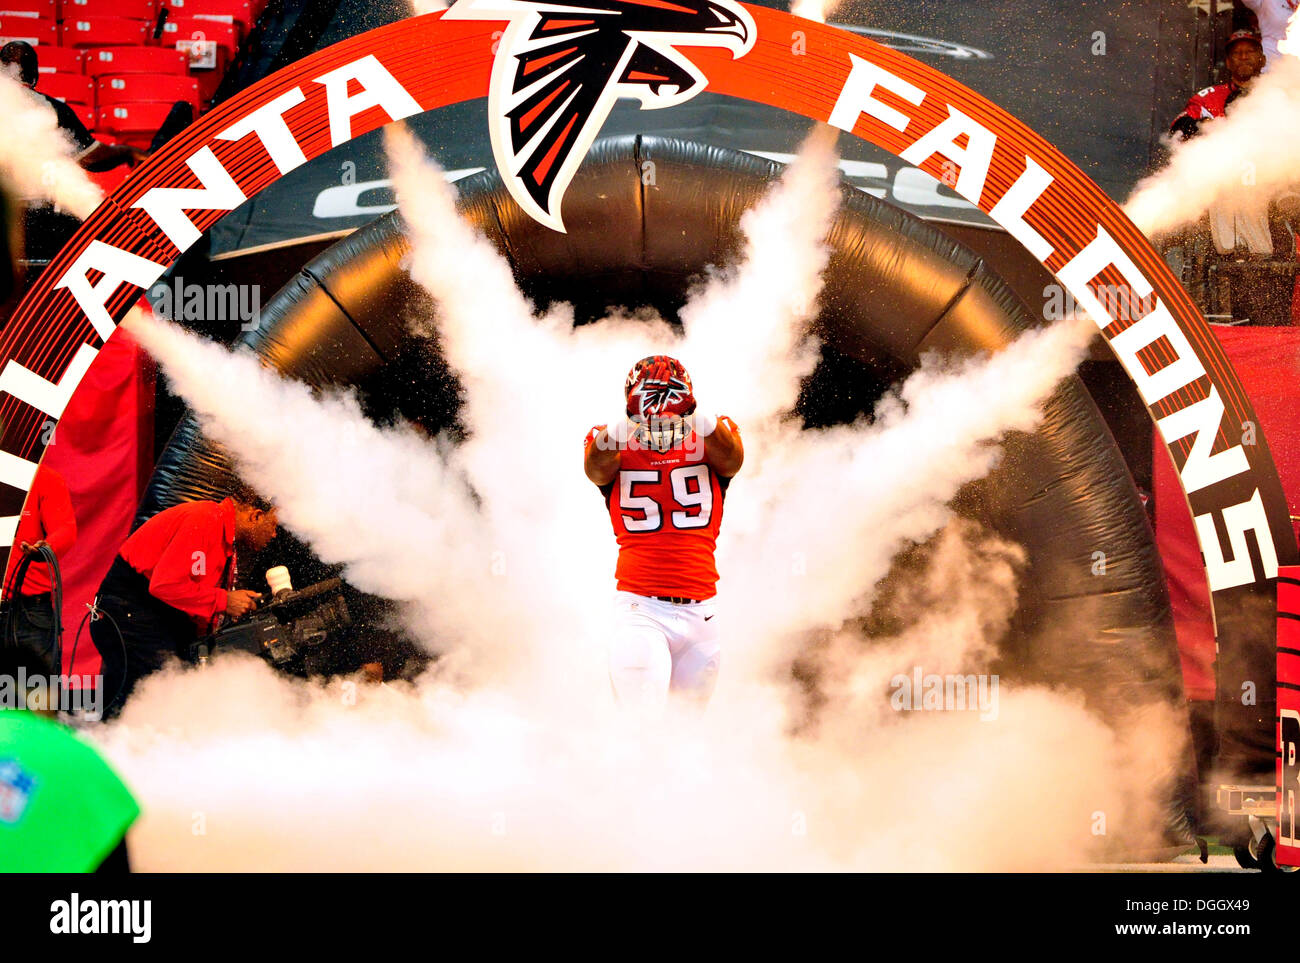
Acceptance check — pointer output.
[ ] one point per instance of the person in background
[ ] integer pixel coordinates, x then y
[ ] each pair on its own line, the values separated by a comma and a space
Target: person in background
62, 808
173, 581
1245, 226
1244, 61
47, 521
19, 57
1273, 17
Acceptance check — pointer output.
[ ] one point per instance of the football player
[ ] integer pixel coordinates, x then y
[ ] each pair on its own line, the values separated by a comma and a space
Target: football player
664, 469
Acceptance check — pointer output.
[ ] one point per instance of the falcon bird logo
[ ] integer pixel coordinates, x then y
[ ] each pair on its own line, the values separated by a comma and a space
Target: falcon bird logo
560, 66
656, 395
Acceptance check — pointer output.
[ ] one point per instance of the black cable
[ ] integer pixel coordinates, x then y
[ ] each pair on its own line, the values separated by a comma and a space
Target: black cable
14, 597
13, 593
9, 595
15, 610
72, 660
56, 603
96, 613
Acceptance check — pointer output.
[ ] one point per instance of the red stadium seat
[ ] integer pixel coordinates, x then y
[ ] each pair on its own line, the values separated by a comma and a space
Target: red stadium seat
63, 60
46, 9
209, 83
37, 31
147, 88
104, 31
133, 123
85, 113
236, 11
189, 31
132, 9
69, 88
135, 60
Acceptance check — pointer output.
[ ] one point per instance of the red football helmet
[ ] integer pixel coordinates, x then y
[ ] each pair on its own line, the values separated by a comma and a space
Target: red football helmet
658, 387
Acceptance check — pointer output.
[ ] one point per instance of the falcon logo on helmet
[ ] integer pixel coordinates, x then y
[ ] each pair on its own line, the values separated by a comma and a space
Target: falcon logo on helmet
658, 387
656, 396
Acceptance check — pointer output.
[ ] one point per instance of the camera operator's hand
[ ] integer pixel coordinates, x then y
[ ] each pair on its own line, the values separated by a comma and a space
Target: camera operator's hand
34, 548
240, 603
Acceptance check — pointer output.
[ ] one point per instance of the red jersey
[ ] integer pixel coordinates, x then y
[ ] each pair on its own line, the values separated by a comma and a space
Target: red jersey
188, 554
666, 509
1210, 103
47, 514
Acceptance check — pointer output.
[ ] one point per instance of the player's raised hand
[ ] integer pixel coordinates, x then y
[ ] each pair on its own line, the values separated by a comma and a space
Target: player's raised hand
616, 433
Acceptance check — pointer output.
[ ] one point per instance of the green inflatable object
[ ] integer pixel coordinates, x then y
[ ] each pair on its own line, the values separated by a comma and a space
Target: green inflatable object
62, 809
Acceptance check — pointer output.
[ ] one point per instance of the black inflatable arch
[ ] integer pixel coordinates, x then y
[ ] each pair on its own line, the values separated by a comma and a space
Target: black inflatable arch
896, 287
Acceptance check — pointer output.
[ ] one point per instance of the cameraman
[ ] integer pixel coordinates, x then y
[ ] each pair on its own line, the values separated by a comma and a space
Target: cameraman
172, 581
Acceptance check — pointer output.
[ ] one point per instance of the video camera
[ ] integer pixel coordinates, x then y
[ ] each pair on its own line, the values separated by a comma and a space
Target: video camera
292, 623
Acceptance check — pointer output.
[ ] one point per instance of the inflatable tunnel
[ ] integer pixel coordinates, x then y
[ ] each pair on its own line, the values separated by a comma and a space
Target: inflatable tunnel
645, 216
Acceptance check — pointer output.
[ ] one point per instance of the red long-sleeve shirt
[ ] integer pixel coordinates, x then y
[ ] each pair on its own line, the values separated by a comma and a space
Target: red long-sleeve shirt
1210, 103
187, 553
47, 514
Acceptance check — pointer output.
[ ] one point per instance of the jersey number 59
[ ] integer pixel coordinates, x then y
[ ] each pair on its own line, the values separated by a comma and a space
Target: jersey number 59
692, 495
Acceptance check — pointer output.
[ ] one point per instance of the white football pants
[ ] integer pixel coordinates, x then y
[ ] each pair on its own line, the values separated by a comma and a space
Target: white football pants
661, 647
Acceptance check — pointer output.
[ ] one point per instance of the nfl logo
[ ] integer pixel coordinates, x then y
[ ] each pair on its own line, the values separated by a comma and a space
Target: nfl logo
15, 790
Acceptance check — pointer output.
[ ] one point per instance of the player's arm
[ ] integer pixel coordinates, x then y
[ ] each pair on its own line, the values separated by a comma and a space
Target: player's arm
723, 450
601, 458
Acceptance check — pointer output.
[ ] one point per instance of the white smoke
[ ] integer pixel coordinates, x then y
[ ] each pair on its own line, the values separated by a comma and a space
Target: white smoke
36, 157
239, 768
1243, 157
755, 317
502, 552
817, 10
328, 467
953, 612
829, 509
